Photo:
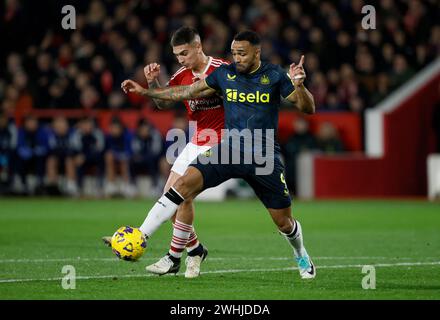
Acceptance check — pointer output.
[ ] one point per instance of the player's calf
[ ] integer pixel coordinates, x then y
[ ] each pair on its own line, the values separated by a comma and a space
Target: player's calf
306, 267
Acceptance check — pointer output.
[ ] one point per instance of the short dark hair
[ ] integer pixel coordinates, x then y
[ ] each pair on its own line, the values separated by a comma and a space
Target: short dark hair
184, 35
248, 35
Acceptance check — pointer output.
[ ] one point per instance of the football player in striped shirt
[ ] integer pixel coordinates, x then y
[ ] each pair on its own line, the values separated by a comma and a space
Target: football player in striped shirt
207, 113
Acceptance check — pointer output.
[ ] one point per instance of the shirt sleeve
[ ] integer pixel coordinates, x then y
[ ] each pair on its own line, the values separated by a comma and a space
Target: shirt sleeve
213, 79
286, 84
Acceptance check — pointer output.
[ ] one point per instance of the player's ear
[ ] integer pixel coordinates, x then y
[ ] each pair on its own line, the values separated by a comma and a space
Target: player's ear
198, 46
258, 51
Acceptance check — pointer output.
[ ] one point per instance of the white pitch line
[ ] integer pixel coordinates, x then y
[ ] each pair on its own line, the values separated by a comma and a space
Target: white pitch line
386, 265
79, 259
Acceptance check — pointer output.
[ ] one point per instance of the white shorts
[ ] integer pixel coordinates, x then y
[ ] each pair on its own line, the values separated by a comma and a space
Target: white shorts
188, 155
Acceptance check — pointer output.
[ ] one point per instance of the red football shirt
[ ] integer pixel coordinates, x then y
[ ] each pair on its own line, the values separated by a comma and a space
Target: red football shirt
207, 112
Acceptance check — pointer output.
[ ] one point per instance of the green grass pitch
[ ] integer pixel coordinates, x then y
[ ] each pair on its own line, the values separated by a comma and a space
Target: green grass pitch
247, 259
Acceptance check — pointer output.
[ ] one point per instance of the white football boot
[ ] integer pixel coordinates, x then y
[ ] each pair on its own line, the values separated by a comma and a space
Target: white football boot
193, 264
306, 267
163, 266
107, 241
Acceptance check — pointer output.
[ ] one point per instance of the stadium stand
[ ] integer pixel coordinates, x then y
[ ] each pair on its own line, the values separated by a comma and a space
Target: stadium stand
47, 71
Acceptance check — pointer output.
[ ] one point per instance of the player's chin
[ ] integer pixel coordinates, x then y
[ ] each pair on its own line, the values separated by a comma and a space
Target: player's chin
240, 68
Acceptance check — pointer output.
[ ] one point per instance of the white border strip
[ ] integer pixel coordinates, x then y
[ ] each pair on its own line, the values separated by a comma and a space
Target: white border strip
374, 134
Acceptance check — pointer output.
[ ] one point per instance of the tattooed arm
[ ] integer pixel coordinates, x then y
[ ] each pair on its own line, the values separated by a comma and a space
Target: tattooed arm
161, 104
198, 89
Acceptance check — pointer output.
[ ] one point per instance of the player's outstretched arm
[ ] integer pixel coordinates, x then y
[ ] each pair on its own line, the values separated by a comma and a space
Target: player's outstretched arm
198, 89
301, 96
160, 104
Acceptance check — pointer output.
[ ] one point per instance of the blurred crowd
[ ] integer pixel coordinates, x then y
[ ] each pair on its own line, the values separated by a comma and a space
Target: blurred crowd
43, 66
59, 155
348, 68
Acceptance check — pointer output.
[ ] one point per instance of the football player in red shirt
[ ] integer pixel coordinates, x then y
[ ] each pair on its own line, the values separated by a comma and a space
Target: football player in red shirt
208, 113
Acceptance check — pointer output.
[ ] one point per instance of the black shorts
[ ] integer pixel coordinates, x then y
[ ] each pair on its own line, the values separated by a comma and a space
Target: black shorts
270, 188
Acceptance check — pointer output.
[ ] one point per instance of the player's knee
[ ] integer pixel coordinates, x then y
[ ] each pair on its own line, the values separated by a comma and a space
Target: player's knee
183, 187
190, 184
284, 225
187, 203
171, 180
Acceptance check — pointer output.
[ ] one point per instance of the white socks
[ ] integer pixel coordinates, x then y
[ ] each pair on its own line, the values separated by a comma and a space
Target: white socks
295, 239
162, 211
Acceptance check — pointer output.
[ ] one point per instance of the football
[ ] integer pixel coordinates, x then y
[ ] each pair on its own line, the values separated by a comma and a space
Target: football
128, 243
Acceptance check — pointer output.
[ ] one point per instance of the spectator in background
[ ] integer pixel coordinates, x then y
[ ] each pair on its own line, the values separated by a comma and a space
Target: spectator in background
319, 88
42, 78
88, 144
401, 71
8, 143
32, 151
356, 104
148, 147
89, 98
59, 96
382, 88
328, 140
58, 154
349, 86
117, 101
365, 69
116, 156
302, 140
102, 78
333, 103
24, 102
